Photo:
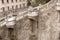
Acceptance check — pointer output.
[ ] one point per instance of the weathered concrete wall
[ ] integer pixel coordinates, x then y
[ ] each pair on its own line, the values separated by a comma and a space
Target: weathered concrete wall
27, 29
24, 29
4, 33
46, 28
21, 31
48, 21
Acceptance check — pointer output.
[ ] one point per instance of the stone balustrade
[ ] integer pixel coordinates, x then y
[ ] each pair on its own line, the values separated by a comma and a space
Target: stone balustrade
5, 20
41, 8
27, 28
48, 5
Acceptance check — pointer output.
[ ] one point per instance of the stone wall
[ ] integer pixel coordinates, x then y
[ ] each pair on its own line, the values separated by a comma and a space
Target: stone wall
24, 29
48, 25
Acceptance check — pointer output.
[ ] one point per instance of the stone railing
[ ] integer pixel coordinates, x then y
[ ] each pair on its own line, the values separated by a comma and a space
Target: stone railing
48, 5
4, 20
23, 14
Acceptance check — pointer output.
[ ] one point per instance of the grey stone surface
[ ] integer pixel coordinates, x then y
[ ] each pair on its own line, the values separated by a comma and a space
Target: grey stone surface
45, 27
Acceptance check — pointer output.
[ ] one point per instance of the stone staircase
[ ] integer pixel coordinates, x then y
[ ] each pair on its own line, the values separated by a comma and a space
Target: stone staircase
42, 8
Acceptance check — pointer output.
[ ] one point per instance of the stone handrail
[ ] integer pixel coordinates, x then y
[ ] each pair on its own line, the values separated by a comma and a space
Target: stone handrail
48, 5
42, 8
4, 19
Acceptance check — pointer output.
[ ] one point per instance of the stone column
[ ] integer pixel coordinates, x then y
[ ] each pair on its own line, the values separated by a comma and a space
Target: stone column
24, 29
43, 28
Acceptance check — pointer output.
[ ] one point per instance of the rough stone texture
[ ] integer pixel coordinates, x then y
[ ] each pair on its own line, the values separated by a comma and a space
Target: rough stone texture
24, 29
47, 27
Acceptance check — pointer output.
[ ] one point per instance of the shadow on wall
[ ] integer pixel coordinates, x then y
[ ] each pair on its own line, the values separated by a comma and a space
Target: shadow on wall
33, 37
28, 3
11, 33
0, 38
